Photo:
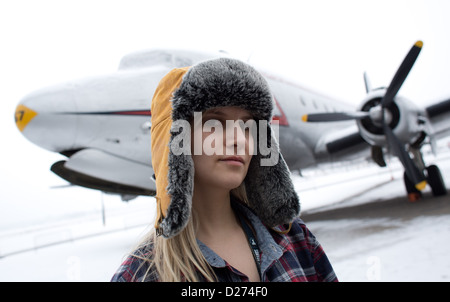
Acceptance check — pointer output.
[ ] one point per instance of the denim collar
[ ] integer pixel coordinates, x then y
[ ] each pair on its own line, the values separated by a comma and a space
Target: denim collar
269, 249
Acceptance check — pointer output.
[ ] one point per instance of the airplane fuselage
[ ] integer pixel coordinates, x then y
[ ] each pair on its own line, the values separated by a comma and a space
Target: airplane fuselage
112, 114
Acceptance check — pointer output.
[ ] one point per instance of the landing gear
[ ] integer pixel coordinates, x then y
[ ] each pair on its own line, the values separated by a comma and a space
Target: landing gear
413, 193
434, 179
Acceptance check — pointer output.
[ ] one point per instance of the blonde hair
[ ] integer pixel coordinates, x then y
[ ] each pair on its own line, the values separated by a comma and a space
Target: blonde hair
179, 258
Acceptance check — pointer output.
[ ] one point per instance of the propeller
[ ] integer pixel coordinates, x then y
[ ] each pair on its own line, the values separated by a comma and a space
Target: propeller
378, 114
401, 74
334, 116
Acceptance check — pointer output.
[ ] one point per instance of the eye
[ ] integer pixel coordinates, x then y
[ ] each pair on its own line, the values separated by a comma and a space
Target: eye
248, 126
210, 124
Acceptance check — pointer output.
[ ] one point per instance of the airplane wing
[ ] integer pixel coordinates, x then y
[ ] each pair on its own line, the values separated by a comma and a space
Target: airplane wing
338, 143
110, 173
439, 115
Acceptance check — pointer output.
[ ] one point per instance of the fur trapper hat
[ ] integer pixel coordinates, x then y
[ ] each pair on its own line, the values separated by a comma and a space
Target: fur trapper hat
216, 83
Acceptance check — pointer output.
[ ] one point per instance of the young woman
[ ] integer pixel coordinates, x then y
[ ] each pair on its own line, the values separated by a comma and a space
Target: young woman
226, 206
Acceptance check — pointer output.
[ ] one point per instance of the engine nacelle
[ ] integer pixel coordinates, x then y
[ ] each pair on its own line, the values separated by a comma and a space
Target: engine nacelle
409, 123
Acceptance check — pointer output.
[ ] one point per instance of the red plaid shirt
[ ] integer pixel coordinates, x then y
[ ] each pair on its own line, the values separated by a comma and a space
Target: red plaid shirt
296, 256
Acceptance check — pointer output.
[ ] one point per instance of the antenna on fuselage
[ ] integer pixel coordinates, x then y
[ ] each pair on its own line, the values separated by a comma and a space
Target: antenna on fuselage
367, 82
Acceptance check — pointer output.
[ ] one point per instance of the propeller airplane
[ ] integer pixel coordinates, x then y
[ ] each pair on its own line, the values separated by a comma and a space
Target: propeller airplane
102, 125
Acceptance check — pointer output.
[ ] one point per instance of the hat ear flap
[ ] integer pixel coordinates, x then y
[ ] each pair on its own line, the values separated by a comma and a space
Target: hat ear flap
180, 188
171, 213
180, 177
268, 183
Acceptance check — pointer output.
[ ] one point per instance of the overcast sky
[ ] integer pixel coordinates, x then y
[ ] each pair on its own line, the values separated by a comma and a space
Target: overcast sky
326, 45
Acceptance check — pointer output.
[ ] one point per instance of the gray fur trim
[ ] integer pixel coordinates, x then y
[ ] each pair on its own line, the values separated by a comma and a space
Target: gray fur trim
181, 180
222, 83
270, 190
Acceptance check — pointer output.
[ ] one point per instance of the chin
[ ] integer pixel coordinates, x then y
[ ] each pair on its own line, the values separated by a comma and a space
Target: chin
232, 182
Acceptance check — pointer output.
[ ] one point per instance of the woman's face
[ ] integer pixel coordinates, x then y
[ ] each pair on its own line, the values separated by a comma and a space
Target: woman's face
226, 147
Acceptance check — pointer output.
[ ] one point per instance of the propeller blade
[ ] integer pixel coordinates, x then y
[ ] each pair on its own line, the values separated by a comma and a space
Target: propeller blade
411, 169
367, 83
334, 116
401, 74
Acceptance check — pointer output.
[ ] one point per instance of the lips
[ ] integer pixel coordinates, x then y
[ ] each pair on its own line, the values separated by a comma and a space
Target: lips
233, 160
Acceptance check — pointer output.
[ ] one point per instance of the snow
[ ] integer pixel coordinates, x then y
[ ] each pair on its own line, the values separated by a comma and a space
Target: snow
75, 244
417, 251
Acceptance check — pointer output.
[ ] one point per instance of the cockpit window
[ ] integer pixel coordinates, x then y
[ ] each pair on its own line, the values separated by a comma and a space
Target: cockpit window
146, 59
165, 57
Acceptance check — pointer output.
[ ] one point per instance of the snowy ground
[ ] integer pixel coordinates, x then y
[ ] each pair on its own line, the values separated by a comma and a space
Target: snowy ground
375, 234
388, 250
81, 247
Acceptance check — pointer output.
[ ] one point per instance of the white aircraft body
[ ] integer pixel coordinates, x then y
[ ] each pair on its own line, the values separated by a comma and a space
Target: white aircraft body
102, 125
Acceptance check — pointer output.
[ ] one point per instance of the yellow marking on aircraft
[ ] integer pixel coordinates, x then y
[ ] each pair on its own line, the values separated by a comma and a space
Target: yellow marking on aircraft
23, 116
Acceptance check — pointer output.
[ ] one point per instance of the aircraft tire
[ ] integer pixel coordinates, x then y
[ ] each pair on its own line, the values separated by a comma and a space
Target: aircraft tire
436, 181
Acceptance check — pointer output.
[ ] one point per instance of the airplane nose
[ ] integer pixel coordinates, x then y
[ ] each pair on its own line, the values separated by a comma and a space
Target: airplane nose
23, 116
44, 117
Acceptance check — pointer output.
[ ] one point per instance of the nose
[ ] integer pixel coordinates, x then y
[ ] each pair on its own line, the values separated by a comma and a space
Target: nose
44, 118
239, 136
